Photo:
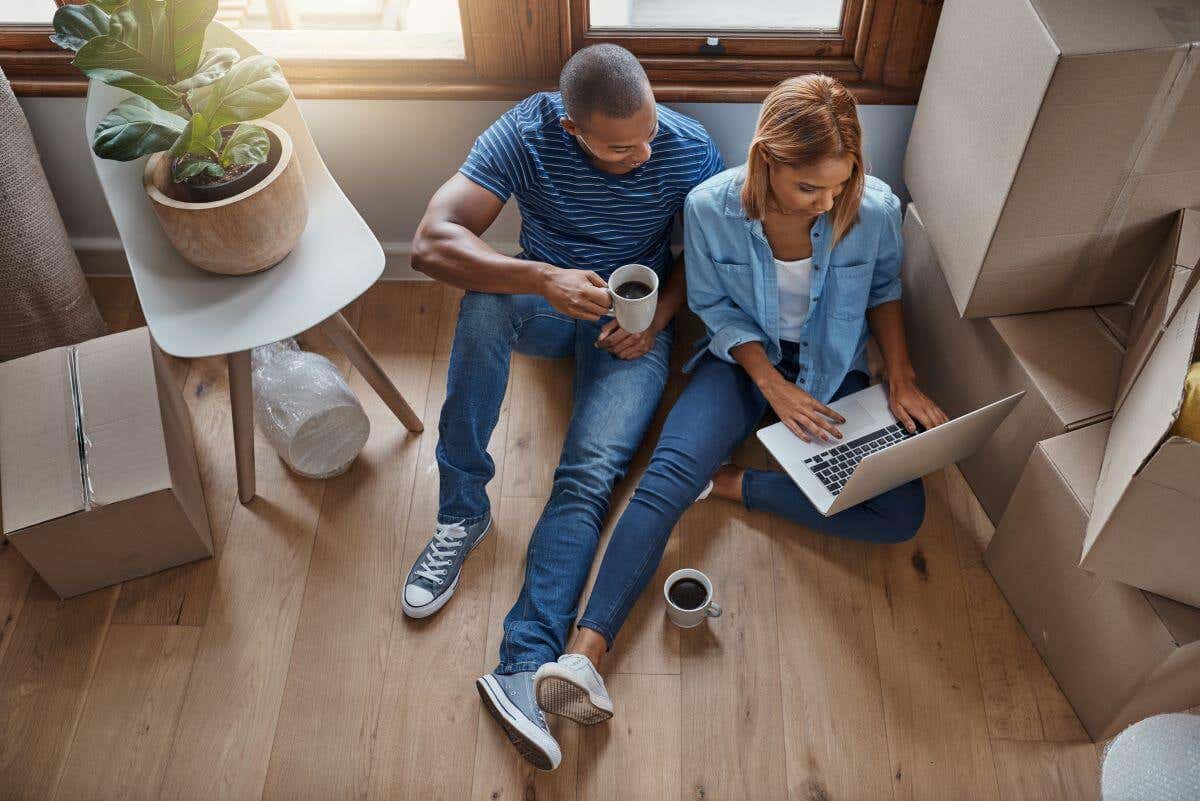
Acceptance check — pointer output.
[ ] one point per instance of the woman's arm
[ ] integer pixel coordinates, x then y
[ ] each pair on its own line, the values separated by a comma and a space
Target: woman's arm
804, 415
905, 398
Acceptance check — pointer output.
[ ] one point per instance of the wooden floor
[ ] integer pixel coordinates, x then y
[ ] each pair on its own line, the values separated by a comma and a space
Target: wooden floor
284, 669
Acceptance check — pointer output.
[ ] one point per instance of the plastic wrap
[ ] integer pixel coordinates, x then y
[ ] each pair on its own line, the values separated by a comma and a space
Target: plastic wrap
1155, 760
304, 408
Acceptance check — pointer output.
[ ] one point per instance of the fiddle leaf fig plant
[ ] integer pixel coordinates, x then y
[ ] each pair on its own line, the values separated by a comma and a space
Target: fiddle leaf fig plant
195, 104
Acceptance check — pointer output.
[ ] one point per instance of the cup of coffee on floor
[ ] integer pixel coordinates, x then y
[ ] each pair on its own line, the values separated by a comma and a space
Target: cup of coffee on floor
633, 289
689, 596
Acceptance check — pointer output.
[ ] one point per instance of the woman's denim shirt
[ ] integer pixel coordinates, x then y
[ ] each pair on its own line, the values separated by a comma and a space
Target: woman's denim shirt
732, 285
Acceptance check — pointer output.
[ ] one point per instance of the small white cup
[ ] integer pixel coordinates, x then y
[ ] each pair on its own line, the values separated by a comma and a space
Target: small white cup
634, 315
690, 618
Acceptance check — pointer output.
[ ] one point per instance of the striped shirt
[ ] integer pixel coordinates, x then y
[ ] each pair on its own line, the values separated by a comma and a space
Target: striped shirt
575, 215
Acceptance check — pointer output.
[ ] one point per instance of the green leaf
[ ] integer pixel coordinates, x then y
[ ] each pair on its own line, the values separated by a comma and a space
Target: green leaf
198, 138
133, 129
108, 6
189, 169
187, 20
248, 145
136, 42
164, 97
75, 25
251, 89
216, 62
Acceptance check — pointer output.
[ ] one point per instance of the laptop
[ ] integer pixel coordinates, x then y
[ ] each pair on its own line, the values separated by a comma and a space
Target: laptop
876, 453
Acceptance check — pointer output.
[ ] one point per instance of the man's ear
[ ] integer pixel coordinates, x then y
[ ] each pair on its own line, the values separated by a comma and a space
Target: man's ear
569, 126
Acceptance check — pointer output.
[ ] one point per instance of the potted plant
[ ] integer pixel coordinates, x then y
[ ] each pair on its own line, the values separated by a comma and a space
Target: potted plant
224, 183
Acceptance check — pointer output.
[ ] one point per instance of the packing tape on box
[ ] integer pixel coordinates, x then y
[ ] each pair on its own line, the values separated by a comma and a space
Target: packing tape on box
1171, 91
81, 437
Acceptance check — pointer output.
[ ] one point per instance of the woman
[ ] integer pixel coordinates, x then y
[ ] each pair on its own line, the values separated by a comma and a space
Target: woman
791, 260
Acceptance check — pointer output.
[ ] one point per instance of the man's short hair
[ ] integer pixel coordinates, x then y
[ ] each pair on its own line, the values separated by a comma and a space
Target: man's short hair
604, 78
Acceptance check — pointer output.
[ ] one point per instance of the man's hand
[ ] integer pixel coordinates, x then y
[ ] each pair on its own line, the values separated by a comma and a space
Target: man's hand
580, 293
910, 404
624, 345
804, 415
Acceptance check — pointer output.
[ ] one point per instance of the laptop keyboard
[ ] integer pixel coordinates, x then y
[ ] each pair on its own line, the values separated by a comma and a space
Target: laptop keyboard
835, 466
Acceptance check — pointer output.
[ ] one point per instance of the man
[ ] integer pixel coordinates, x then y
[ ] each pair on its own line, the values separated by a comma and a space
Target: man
599, 172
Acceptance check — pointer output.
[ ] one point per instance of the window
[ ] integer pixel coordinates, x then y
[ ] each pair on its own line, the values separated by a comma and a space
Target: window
701, 50
376, 29
737, 49
717, 15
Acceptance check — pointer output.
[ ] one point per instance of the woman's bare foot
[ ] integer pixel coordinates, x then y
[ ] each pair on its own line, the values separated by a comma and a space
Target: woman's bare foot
727, 482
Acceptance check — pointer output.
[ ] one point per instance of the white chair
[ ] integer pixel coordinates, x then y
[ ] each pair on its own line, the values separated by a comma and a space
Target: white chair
192, 313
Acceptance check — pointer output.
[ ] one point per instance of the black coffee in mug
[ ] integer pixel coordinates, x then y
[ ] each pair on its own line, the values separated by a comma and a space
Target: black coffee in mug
632, 290
687, 593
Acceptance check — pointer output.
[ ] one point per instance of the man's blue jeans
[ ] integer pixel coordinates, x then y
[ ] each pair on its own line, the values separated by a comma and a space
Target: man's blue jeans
718, 409
615, 400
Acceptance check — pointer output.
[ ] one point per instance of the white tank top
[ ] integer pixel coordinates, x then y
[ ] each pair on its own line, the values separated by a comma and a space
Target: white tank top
795, 282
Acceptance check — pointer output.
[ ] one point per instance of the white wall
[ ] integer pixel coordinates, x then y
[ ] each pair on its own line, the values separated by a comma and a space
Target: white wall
389, 156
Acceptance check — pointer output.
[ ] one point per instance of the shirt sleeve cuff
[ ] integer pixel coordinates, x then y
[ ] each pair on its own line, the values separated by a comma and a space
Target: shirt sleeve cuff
885, 296
483, 180
729, 338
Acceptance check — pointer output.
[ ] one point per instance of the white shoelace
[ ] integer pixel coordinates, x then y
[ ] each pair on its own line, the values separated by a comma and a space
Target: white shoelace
444, 546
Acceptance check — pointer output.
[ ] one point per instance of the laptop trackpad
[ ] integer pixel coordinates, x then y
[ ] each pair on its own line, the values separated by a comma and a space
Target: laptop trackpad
858, 420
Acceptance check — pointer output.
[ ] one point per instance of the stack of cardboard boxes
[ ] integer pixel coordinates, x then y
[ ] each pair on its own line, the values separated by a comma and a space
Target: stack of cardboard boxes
1049, 247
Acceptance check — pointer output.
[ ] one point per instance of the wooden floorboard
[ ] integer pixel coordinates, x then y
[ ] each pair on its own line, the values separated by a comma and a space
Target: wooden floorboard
829, 667
44, 678
124, 737
322, 749
284, 667
932, 701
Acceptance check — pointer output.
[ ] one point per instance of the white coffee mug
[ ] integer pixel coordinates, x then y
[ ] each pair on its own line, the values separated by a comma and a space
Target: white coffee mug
634, 314
690, 618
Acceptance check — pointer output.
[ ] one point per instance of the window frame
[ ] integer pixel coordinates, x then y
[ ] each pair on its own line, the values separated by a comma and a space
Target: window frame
514, 47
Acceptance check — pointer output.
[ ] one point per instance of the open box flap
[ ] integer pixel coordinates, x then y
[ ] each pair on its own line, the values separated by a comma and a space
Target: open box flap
1148, 413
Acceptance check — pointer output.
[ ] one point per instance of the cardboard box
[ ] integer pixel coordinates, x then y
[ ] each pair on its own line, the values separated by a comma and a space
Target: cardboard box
98, 469
1145, 526
1119, 654
1066, 361
1053, 142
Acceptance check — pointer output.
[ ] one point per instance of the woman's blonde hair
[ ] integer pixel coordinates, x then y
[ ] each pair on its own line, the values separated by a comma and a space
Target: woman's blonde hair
803, 120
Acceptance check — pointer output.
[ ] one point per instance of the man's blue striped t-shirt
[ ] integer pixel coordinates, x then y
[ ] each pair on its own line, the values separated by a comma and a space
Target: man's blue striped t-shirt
575, 215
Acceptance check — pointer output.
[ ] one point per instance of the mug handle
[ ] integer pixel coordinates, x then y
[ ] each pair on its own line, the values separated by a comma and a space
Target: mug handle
714, 610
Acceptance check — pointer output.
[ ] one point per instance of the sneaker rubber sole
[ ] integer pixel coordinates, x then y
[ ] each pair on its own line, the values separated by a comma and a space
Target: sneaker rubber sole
559, 695
437, 603
512, 721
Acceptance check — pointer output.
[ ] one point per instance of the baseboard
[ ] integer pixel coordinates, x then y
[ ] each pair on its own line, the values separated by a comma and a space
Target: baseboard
101, 256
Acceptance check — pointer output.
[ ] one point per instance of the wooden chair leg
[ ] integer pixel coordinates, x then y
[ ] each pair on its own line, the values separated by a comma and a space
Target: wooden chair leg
241, 399
348, 342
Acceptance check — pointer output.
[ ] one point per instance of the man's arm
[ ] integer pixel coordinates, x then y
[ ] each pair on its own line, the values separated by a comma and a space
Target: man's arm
447, 247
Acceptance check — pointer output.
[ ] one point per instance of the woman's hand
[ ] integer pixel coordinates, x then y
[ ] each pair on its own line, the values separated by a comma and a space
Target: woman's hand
804, 415
911, 405
624, 345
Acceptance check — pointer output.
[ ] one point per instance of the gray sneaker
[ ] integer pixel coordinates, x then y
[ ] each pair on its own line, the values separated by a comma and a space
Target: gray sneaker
434, 576
510, 701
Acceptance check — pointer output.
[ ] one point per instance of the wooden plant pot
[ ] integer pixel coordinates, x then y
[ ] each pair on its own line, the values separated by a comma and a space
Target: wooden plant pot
251, 231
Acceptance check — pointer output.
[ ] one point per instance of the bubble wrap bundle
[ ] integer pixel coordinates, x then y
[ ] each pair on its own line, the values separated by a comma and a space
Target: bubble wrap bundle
304, 408
1157, 759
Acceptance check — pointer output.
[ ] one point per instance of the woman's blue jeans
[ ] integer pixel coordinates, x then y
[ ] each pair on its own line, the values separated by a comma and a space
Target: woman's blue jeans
719, 409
